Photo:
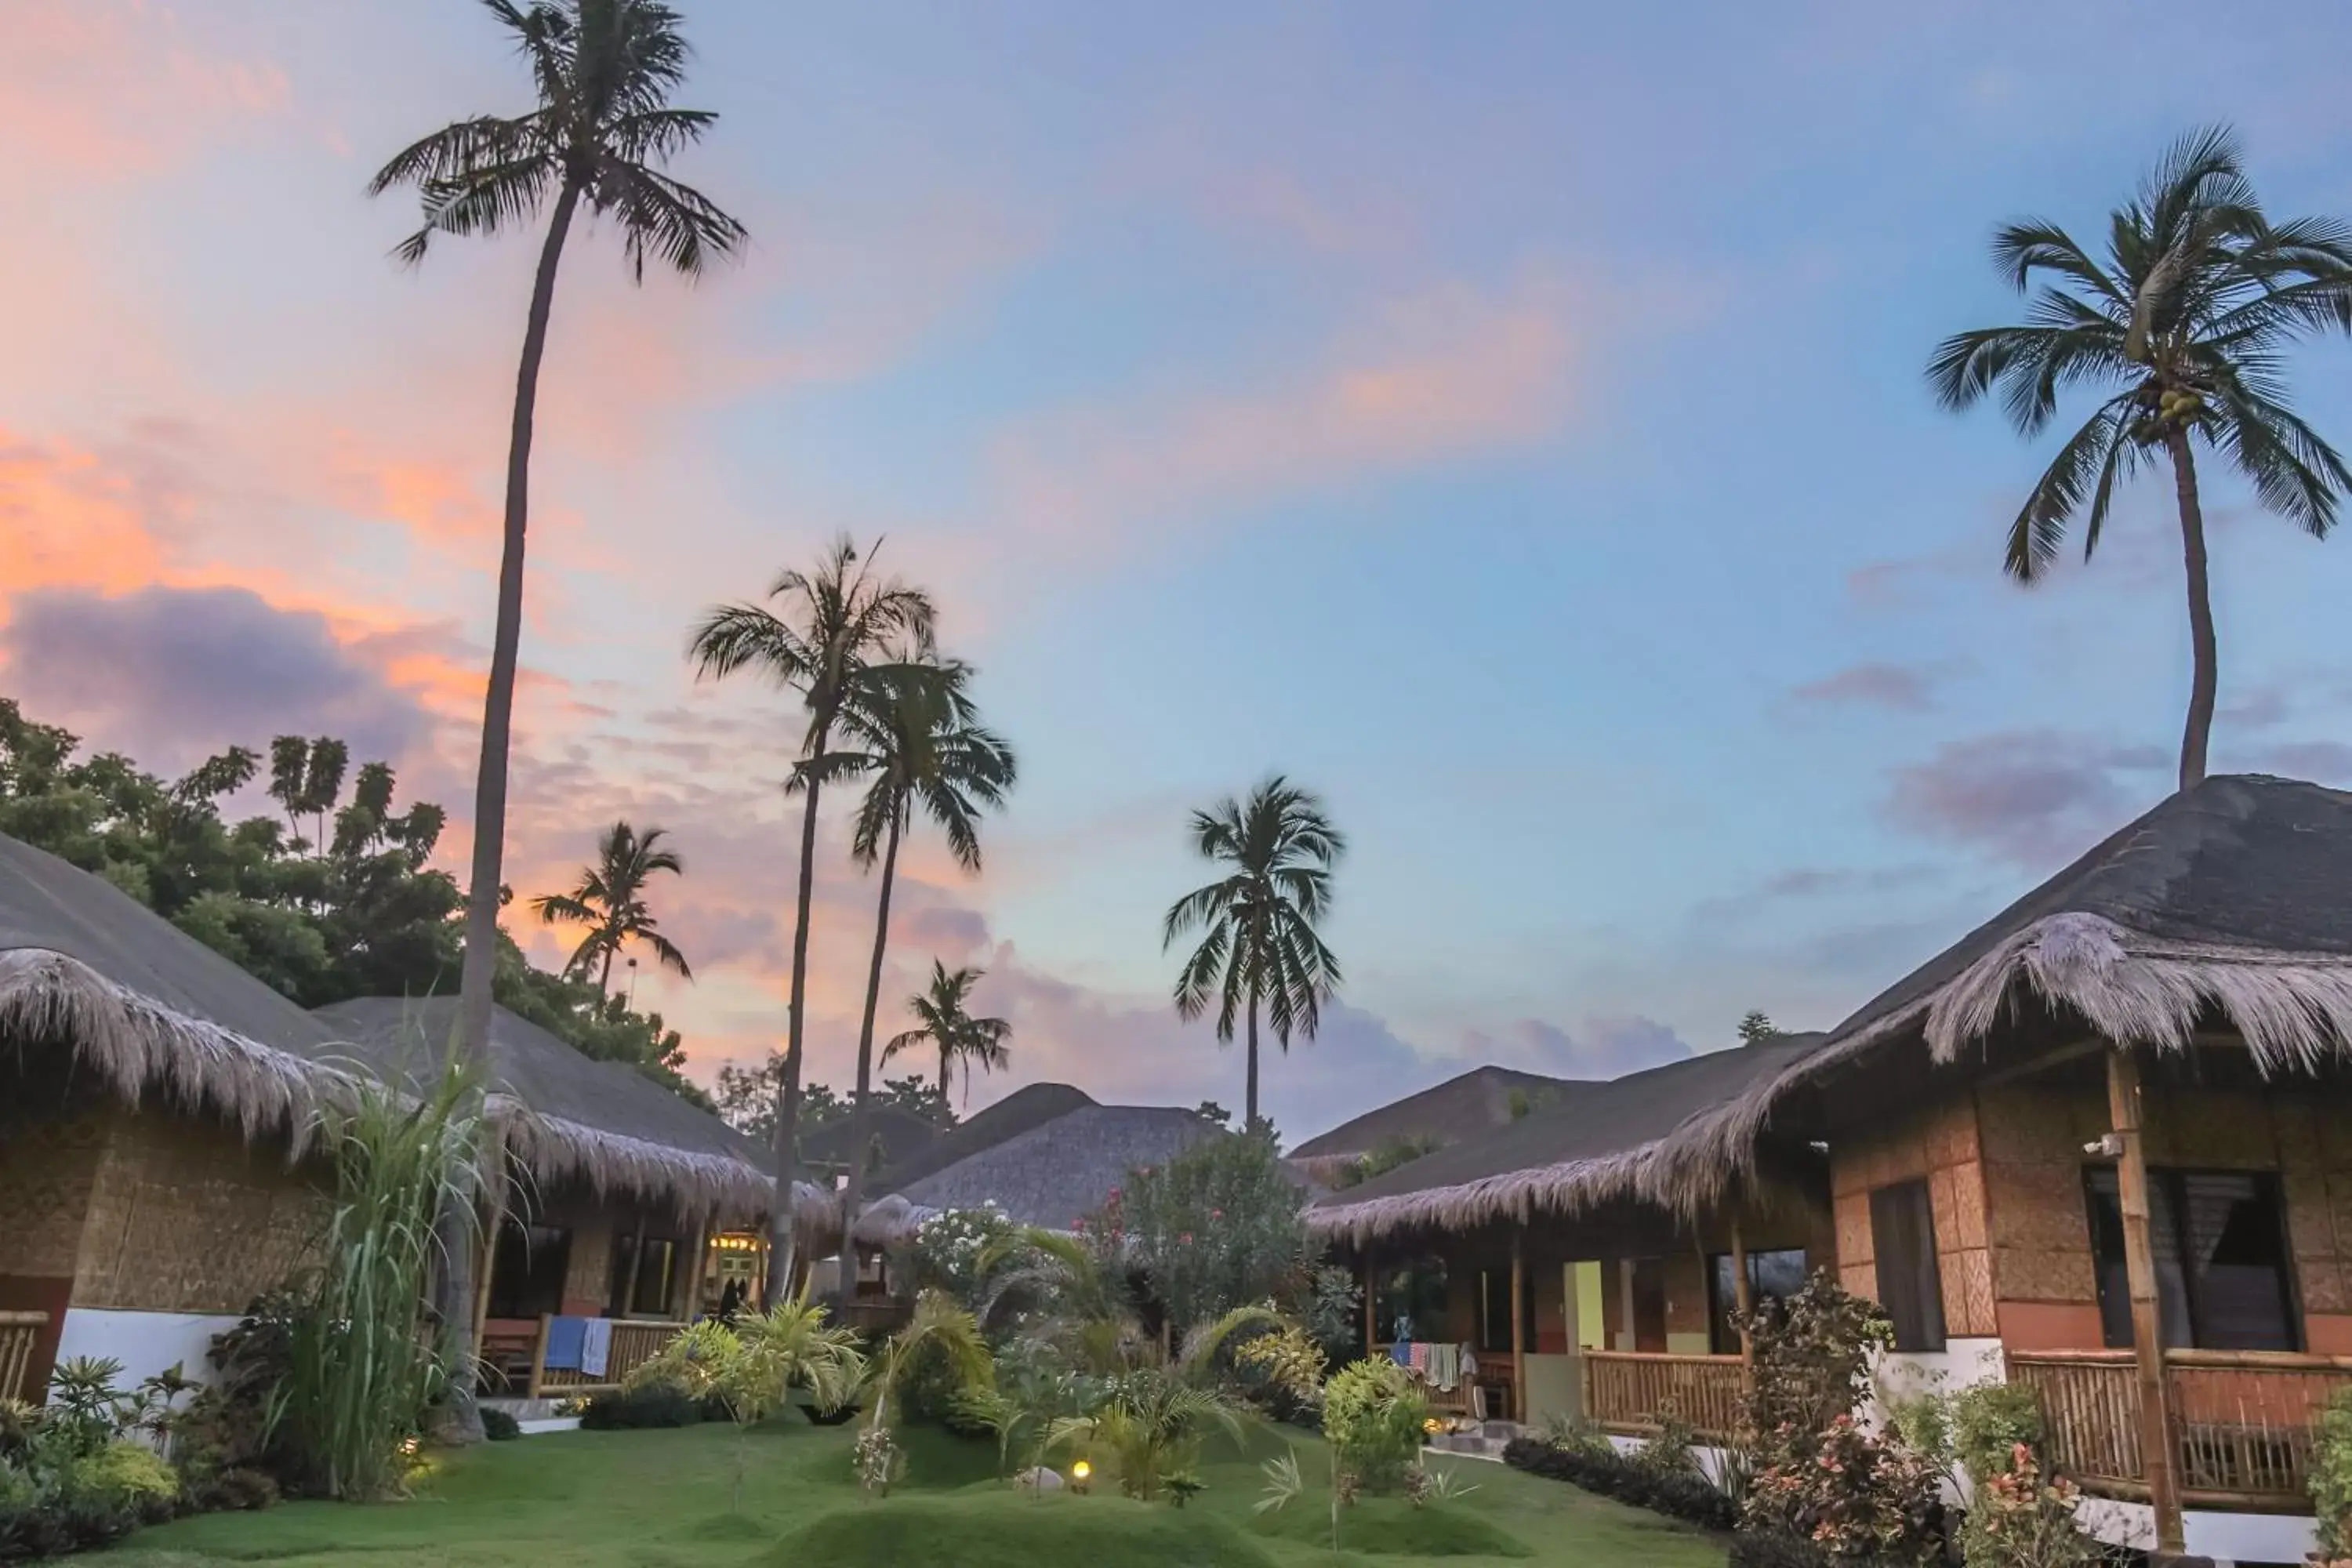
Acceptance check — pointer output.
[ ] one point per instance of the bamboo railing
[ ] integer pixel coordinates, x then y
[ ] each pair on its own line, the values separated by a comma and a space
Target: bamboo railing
2241, 1420
20, 1335
634, 1344
1629, 1392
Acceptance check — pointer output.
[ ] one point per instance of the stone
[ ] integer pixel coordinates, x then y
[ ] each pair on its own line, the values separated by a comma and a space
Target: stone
1040, 1479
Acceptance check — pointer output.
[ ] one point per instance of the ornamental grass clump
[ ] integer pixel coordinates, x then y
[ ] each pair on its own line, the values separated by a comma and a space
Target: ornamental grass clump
2331, 1479
362, 1368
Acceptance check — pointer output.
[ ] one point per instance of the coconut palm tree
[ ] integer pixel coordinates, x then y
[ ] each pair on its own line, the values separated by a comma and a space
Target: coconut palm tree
943, 1022
610, 900
2181, 323
914, 733
603, 71
836, 622
1258, 945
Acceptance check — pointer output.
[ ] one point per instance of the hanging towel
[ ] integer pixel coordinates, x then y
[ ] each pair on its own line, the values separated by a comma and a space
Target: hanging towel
1400, 1353
1421, 1350
1469, 1364
595, 1345
563, 1336
1445, 1367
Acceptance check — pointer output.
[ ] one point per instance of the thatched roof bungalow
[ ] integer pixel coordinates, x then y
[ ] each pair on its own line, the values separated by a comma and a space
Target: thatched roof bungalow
2098, 1144
157, 1102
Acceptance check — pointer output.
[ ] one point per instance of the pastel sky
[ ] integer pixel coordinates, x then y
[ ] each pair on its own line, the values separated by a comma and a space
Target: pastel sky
1506, 419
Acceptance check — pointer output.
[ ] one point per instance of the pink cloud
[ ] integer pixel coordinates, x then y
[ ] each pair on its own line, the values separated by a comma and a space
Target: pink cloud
1451, 374
118, 88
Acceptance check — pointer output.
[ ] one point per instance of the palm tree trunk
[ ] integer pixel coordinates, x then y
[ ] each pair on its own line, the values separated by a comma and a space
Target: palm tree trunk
605, 974
947, 1065
1249, 1115
782, 1264
2205, 675
454, 1223
860, 1108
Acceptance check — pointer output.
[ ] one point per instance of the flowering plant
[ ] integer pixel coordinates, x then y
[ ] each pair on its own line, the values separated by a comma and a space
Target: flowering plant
952, 1249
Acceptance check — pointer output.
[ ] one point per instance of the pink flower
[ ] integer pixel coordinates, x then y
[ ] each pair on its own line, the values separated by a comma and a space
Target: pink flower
1216, 1214
1185, 1237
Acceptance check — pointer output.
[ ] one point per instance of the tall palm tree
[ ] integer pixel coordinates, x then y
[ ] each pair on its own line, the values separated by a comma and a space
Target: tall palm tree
915, 736
1258, 945
610, 900
603, 71
943, 1022
836, 620
2184, 319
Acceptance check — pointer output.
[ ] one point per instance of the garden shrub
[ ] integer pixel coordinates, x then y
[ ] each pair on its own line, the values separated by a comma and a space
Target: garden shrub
500, 1427
1680, 1494
2331, 1478
952, 1249
1990, 1422
645, 1405
2019, 1518
1218, 1227
1372, 1415
1672, 1451
1854, 1494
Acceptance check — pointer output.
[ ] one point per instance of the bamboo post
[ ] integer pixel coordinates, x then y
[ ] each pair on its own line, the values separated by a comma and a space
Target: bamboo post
1518, 1324
691, 1306
1743, 1296
489, 1253
2124, 1108
538, 1356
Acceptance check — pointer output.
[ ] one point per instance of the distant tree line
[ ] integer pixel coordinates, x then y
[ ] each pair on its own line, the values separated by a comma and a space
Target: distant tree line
332, 896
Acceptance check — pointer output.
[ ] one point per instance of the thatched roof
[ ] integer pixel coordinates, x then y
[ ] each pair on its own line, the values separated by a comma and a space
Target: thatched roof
86, 968
601, 1123
1463, 1107
156, 1015
1016, 1113
1054, 1173
2229, 905
1592, 1146
901, 1134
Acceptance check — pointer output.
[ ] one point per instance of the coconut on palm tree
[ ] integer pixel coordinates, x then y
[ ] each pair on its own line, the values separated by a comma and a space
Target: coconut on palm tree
1259, 950
2181, 322
913, 732
610, 900
603, 128
944, 1022
836, 625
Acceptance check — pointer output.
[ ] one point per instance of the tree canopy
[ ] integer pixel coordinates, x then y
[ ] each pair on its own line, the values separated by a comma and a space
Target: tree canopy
337, 900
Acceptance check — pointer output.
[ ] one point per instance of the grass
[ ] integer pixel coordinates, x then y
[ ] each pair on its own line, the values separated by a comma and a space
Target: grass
660, 1499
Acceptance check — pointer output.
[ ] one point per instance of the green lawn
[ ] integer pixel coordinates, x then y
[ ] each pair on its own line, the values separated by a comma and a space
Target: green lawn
652, 1499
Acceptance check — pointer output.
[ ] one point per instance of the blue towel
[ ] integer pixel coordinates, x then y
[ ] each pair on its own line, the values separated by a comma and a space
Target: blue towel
563, 1339
1399, 1352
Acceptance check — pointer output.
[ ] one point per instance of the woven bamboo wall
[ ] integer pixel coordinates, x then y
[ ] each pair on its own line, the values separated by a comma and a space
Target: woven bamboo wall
183, 1217
1940, 1146
48, 1168
2034, 1161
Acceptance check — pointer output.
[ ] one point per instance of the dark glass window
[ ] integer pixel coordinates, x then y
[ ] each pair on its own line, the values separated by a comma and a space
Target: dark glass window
1910, 1285
2218, 1241
640, 1283
528, 1269
1777, 1274
1495, 1310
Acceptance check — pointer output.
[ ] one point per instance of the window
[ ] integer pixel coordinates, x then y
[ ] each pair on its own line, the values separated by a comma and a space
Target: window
1495, 1310
528, 1269
1910, 1286
2219, 1238
640, 1284
1776, 1274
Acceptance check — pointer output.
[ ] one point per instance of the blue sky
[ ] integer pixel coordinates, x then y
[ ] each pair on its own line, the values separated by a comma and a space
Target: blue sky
1508, 420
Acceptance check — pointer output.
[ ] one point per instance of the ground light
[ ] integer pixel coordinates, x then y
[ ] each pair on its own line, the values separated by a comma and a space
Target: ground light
1080, 1474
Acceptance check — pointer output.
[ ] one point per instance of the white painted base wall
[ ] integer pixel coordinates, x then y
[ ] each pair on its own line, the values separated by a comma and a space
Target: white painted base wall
144, 1343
